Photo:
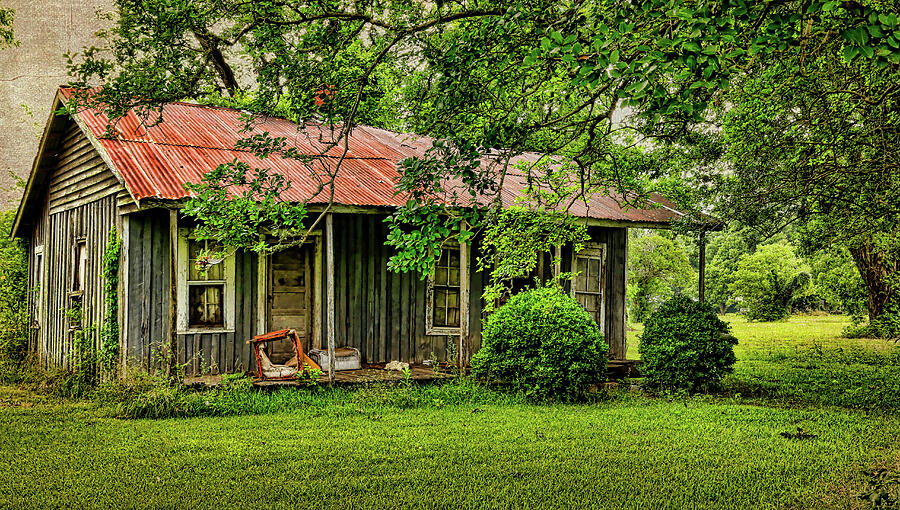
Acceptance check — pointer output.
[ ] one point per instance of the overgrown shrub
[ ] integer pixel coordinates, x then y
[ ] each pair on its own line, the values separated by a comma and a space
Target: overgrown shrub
13, 301
886, 325
142, 395
769, 281
686, 346
543, 343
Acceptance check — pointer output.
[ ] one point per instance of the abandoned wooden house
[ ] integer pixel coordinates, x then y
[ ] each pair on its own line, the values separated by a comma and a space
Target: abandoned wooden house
85, 183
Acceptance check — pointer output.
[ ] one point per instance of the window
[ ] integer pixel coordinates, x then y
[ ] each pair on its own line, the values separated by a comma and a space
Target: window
206, 289
445, 292
37, 285
590, 281
205, 296
80, 261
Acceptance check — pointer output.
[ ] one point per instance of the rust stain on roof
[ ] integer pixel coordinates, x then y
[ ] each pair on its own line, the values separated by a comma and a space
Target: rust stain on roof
157, 161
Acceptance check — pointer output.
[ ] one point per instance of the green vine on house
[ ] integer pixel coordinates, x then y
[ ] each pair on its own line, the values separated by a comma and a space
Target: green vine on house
109, 331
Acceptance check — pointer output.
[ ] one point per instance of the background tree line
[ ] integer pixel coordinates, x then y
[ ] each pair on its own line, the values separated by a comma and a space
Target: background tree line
765, 278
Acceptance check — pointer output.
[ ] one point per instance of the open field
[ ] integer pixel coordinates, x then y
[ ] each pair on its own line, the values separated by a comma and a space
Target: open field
406, 447
804, 361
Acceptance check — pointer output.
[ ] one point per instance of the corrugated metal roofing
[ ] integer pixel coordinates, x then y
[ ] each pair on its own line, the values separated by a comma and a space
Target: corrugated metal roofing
155, 162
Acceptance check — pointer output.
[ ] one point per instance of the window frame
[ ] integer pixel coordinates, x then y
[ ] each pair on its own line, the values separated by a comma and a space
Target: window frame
596, 251
37, 287
79, 265
183, 290
430, 327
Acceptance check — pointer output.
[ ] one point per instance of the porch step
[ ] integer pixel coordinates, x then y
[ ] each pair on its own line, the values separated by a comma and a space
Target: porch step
621, 368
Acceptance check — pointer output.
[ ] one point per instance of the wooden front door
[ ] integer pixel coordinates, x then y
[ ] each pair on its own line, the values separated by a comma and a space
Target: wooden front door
290, 296
589, 288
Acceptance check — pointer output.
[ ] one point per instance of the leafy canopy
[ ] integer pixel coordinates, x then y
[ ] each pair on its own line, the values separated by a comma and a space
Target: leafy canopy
585, 82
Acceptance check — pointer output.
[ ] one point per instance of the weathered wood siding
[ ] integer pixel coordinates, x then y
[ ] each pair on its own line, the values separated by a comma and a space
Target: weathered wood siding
81, 176
615, 287
36, 287
203, 353
382, 313
379, 312
147, 322
145, 304
80, 204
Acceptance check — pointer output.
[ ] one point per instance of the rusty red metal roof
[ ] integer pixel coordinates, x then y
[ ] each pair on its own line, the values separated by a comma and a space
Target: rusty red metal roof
157, 161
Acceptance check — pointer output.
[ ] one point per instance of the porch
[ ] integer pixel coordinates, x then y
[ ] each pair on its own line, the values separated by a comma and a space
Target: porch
375, 373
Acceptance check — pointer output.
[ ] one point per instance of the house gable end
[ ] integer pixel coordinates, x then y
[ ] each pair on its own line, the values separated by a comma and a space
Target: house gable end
79, 175
69, 170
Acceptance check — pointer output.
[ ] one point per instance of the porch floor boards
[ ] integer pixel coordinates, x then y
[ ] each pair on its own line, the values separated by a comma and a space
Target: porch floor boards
369, 374
616, 369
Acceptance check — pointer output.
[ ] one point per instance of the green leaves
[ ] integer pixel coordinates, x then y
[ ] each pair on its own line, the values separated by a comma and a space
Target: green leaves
768, 281
686, 346
108, 354
240, 207
857, 35
544, 344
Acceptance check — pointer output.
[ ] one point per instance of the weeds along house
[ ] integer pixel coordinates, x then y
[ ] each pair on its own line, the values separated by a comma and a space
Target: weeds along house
84, 184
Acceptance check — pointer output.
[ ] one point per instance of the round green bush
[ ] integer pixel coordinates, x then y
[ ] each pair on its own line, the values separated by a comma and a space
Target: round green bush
543, 343
685, 346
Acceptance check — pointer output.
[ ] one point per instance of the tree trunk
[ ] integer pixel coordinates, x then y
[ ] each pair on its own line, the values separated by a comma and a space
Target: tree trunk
876, 266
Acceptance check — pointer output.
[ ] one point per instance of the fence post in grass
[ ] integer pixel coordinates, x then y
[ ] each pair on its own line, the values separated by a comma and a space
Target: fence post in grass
329, 292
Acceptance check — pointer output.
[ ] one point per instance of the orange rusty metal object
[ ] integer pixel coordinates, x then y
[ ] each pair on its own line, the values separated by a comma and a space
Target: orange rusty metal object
303, 361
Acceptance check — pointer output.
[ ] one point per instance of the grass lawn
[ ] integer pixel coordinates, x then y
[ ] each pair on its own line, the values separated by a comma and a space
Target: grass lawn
363, 450
804, 361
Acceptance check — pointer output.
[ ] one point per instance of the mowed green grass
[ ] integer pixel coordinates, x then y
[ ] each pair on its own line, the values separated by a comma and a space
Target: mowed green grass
638, 453
756, 339
361, 452
805, 361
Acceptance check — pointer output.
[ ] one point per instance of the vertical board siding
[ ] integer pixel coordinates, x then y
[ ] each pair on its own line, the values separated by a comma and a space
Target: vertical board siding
615, 292
92, 222
37, 291
148, 321
382, 313
147, 324
379, 312
79, 204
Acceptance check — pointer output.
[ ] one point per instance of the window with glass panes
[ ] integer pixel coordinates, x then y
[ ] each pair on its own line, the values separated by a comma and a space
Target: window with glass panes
590, 280
206, 289
446, 289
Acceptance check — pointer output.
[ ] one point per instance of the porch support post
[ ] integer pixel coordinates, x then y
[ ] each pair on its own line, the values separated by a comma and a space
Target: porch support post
329, 292
463, 307
625, 234
702, 283
173, 290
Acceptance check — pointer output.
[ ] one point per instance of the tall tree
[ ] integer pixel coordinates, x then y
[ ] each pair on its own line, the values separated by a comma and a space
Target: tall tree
492, 78
812, 140
769, 280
